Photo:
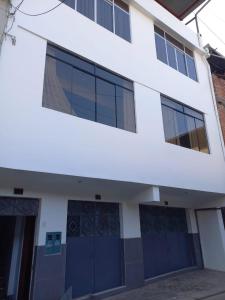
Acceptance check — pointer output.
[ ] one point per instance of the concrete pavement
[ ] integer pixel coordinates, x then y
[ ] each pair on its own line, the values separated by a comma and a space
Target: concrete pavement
193, 285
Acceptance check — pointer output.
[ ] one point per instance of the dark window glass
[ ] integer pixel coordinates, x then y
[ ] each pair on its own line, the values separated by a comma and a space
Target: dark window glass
122, 5
192, 133
70, 3
70, 59
173, 104
83, 100
159, 31
106, 102
86, 8
184, 128
125, 109
105, 14
169, 123
171, 50
182, 131
174, 41
118, 80
181, 62
193, 113
202, 138
122, 23
191, 67
177, 56
161, 48
189, 52
102, 96
57, 93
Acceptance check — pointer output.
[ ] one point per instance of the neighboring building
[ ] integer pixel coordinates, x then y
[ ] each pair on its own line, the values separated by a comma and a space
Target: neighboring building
217, 66
112, 165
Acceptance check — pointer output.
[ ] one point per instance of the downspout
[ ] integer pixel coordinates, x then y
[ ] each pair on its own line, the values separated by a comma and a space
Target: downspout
4, 14
214, 103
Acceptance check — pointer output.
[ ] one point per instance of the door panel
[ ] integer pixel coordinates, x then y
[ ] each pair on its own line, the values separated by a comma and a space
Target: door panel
167, 246
80, 266
107, 263
94, 247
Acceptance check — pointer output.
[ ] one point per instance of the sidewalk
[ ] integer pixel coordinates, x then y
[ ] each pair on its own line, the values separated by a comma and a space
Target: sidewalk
194, 285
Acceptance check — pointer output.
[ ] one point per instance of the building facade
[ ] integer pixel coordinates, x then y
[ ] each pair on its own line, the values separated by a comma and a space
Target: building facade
112, 158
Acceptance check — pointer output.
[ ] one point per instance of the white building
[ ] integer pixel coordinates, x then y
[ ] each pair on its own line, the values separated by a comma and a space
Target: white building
112, 162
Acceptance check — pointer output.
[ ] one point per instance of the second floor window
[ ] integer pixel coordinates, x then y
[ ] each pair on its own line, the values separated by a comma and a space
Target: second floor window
111, 14
175, 54
184, 126
81, 88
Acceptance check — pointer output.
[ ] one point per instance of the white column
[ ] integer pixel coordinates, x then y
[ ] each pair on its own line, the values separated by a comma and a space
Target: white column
212, 236
52, 218
130, 220
191, 220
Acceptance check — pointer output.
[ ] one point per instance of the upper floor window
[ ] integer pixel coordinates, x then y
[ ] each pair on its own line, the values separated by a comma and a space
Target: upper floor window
184, 126
175, 54
81, 88
111, 14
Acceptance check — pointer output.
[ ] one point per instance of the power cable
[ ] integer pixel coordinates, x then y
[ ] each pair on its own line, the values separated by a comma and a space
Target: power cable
216, 35
39, 14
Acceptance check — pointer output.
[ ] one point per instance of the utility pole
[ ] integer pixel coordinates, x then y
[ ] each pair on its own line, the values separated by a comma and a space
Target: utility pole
4, 14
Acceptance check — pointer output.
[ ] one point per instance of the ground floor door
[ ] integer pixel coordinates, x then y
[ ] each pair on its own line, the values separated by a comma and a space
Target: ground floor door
94, 249
16, 253
167, 245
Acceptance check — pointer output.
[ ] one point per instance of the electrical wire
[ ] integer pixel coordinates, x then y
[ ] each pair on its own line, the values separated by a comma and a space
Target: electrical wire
38, 14
213, 32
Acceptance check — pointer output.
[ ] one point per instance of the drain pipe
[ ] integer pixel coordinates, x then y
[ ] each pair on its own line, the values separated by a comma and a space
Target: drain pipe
214, 101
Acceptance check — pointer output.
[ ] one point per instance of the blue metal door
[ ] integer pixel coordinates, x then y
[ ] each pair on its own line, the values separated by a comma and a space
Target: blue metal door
94, 247
167, 245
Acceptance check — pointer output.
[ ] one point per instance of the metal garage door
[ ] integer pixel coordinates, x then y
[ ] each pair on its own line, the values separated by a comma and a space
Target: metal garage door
167, 246
94, 247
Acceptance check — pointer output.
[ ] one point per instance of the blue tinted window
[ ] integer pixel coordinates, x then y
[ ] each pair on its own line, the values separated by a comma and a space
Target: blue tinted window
105, 14
122, 23
83, 100
57, 87
183, 128
171, 50
106, 102
181, 62
77, 91
191, 67
161, 48
125, 109
87, 8
70, 3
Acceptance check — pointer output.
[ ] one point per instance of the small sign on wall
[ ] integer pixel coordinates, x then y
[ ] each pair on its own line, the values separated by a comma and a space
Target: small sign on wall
53, 243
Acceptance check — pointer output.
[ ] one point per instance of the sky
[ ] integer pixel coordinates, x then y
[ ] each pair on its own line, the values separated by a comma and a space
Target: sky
212, 25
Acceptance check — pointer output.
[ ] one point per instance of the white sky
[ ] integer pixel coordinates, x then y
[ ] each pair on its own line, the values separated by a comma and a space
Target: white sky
212, 18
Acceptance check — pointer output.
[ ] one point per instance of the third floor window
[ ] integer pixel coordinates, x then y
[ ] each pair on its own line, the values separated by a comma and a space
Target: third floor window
111, 14
175, 54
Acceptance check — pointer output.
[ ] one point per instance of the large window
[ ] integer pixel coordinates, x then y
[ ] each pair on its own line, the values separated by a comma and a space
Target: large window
111, 14
184, 126
83, 89
174, 54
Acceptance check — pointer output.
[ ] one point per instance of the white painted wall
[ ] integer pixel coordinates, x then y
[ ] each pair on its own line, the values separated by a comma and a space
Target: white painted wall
38, 139
130, 220
212, 237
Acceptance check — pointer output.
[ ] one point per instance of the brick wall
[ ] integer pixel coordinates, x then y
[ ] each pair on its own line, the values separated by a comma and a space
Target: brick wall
219, 86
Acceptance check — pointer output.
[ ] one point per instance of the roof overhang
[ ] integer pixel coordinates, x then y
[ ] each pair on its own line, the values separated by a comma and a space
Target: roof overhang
180, 8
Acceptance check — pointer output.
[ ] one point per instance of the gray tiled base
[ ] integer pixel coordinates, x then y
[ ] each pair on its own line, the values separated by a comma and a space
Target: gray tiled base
48, 282
198, 251
133, 262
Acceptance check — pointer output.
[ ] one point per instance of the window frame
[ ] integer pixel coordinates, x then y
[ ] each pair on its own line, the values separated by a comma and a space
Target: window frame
111, 2
123, 85
165, 97
186, 51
